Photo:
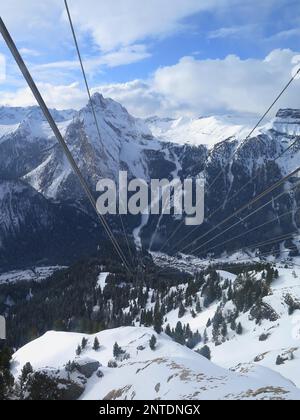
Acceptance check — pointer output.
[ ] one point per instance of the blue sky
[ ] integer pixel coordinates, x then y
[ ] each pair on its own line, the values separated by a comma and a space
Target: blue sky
166, 57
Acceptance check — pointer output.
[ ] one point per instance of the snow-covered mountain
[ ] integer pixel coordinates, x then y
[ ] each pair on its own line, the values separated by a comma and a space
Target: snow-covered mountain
156, 148
199, 131
28, 149
170, 371
212, 130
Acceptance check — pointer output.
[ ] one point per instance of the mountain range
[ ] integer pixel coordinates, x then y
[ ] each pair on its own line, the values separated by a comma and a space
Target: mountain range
33, 169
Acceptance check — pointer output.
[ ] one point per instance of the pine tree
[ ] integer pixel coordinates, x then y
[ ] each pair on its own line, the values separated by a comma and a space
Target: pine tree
153, 342
6, 378
117, 351
181, 311
205, 337
233, 325
96, 345
70, 366
84, 343
158, 318
230, 293
239, 329
198, 306
224, 330
78, 350
179, 334
205, 352
168, 330
193, 340
26, 371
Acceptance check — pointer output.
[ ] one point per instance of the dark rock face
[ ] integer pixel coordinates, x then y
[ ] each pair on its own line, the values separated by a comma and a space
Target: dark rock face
87, 367
289, 113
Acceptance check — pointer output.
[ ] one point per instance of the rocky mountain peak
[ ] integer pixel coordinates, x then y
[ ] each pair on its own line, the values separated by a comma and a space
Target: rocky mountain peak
289, 113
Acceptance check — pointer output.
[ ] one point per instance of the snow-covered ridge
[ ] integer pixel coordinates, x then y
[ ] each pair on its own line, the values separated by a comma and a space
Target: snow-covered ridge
31, 121
200, 131
171, 371
211, 130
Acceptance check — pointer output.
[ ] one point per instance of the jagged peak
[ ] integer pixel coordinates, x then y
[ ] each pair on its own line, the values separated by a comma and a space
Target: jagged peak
99, 100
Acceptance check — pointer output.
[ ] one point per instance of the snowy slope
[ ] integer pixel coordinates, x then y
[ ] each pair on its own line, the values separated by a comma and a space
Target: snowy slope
30, 121
199, 131
211, 130
283, 334
169, 372
261, 342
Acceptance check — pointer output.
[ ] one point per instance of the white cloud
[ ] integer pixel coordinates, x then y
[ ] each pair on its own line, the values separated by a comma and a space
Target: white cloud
33, 18
124, 22
284, 35
190, 87
201, 87
29, 52
123, 56
229, 85
118, 23
232, 32
120, 29
113, 24
137, 96
60, 97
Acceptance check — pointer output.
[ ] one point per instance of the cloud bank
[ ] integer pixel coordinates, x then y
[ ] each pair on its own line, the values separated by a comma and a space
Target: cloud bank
206, 87
191, 87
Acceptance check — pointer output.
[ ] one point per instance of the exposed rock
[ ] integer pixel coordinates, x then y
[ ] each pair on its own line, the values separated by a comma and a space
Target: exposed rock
87, 367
